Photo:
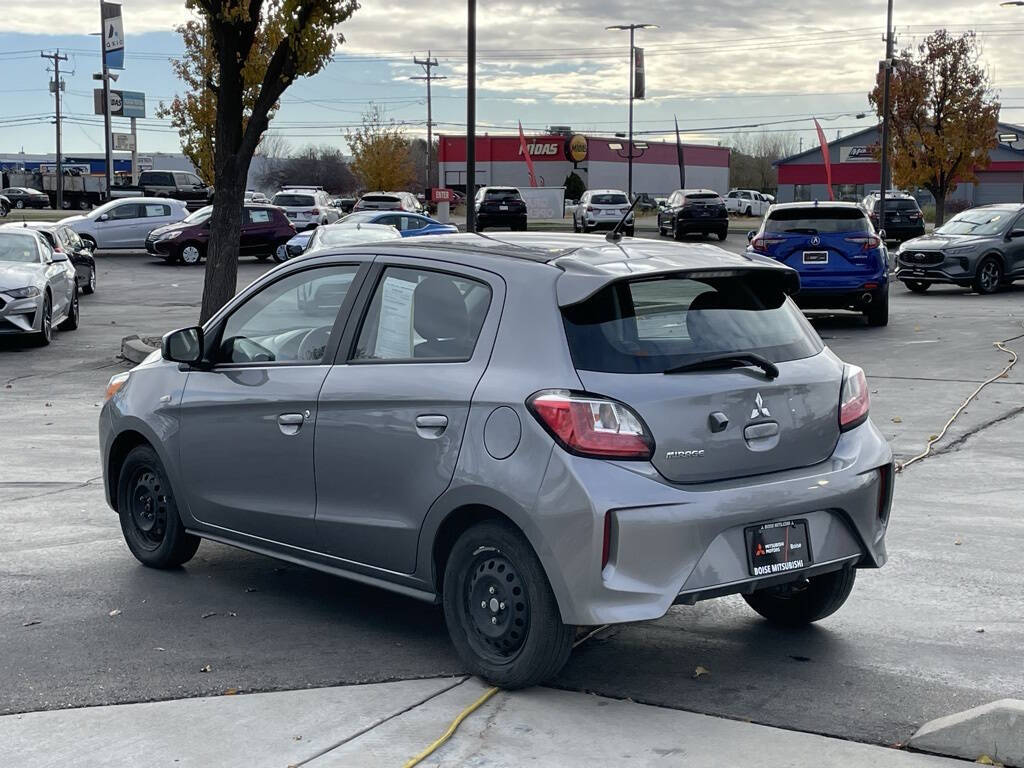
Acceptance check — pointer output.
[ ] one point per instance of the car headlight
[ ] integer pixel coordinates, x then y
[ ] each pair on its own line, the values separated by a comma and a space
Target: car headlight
170, 235
23, 293
117, 381
959, 250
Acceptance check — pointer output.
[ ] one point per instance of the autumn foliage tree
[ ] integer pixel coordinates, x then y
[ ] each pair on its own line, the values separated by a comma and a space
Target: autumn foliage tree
943, 115
259, 49
380, 153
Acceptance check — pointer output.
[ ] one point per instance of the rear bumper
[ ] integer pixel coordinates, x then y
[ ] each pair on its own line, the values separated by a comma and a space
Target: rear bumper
705, 225
679, 544
500, 219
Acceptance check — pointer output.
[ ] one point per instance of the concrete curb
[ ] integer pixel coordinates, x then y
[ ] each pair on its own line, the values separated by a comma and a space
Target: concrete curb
137, 348
994, 730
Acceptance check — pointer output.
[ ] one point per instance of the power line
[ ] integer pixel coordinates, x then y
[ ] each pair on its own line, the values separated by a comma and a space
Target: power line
428, 64
57, 85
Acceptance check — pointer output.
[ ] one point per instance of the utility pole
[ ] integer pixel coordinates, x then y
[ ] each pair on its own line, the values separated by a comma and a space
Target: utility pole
427, 65
57, 86
471, 118
886, 77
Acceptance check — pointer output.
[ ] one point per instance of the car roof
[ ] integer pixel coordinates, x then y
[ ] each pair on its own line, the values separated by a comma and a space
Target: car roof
606, 192
48, 226
697, 191
146, 200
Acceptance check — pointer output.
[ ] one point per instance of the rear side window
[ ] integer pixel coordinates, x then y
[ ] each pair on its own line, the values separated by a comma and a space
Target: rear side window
422, 316
157, 210
294, 201
812, 221
650, 326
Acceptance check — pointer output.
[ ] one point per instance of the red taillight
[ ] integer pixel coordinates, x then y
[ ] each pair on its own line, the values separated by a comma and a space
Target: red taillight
866, 242
593, 426
315, 212
854, 401
590, 209
764, 244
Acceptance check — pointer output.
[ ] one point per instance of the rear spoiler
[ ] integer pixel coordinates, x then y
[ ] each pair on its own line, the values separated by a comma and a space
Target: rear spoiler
581, 280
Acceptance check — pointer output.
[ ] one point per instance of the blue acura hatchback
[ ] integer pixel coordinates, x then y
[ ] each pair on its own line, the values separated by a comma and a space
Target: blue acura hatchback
408, 224
843, 263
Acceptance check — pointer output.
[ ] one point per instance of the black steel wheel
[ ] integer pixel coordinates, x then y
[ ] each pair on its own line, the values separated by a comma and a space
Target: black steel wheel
90, 286
499, 608
149, 515
989, 276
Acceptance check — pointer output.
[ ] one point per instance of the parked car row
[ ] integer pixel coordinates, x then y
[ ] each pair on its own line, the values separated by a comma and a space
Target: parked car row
25, 197
39, 285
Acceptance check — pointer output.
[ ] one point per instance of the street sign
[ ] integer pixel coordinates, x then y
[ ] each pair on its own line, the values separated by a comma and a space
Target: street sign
123, 142
122, 103
113, 35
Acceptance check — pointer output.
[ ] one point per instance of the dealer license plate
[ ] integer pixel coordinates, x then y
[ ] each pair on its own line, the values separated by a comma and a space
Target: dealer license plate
774, 548
815, 257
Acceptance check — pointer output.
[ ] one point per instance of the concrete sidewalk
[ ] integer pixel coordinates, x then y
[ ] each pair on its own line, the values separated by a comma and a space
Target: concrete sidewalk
385, 724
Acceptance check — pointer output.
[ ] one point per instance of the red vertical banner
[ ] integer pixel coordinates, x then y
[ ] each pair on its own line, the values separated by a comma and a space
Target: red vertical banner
825, 158
525, 152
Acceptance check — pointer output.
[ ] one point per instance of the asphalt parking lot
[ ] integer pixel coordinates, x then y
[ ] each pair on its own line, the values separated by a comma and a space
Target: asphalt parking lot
936, 631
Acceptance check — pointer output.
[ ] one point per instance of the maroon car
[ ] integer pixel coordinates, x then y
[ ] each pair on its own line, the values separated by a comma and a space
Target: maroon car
265, 229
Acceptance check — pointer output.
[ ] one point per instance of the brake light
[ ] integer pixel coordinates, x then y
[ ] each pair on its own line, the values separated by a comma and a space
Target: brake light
590, 209
854, 401
763, 244
315, 212
590, 425
867, 242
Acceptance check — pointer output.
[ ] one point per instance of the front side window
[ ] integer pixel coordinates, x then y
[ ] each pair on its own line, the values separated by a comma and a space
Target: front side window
194, 180
127, 211
289, 321
423, 316
650, 326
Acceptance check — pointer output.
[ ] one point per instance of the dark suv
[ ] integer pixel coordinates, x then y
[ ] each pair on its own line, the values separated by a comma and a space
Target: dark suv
500, 207
694, 210
265, 230
903, 217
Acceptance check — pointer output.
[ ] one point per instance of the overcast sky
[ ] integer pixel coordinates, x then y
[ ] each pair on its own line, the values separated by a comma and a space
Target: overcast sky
715, 64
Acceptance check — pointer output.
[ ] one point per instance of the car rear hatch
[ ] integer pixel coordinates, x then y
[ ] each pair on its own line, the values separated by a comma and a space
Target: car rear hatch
608, 208
503, 203
634, 338
899, 214
299, 208
703, 205
829, 247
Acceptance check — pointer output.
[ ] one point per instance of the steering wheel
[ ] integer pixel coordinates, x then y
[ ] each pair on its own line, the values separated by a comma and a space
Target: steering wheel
313, 344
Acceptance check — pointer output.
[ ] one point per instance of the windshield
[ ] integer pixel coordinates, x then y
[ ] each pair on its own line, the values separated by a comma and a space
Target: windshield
978, 222
609, 200
650, 326
813, 221
353, 235
199, 216
287, 200
18, 248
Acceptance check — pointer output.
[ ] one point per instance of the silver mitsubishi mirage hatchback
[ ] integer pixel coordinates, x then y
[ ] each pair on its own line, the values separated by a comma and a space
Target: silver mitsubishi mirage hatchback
537, 431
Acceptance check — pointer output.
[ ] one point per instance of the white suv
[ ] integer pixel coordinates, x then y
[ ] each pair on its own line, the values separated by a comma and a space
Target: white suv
602, 209
747, 202
388, 201
307, 207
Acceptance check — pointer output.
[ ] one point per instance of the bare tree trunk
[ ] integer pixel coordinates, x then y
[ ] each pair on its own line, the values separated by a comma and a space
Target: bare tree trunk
940, 208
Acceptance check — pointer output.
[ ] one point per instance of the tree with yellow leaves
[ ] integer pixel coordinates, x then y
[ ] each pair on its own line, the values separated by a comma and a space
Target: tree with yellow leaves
942, 118
259, 48
380, 153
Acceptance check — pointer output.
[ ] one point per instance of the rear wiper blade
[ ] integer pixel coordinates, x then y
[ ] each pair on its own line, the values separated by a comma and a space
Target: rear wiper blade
738, 360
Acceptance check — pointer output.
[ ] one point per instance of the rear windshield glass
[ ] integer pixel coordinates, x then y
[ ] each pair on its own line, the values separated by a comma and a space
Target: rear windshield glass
702, 196
651, 326
294, 201
501, 194
609, 200
980, 222
897, 205
812, 221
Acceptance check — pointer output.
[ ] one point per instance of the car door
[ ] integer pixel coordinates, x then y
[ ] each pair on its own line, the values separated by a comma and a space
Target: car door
247, 422
154, 216
1014, 248
119, 229
393, 410
258, 230
59, 278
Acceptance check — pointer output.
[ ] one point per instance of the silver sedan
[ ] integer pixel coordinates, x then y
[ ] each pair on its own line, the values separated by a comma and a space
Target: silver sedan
38, 288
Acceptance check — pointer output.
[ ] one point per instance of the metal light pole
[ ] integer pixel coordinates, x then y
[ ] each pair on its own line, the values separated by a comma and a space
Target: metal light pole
886, 78
471, 119
632, 63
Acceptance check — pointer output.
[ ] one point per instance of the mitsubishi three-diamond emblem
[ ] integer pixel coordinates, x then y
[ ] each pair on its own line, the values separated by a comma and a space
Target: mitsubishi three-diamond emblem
760, 409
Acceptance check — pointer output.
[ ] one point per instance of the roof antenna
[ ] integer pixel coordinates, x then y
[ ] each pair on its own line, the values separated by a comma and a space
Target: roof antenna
616, 234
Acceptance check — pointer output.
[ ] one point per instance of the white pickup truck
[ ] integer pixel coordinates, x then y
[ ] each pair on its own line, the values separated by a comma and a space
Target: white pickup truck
746, 202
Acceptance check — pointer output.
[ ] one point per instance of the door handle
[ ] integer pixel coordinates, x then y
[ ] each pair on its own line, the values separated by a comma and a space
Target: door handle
431, 425
290, 423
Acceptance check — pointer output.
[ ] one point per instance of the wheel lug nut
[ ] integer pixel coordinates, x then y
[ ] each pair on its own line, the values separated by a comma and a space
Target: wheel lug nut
494, 619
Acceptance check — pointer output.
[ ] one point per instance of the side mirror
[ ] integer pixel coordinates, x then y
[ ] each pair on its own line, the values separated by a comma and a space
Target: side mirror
751, 235
184, 345
1015, 233
295, 250
102, 217
881, 235
59, 256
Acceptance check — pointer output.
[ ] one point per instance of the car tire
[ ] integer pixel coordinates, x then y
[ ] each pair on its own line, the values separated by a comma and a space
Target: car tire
88, 239
877, 312
501, 614
917, 286
190, 253
19, 204
988, 277
723, 234
677, 232
150, 522
71, 322
45, 335
749, 212
796, 605
4, 210
90, 286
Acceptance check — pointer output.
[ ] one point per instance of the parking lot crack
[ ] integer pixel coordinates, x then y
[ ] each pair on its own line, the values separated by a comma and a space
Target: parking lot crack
51, 374
65, 487
957, 444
